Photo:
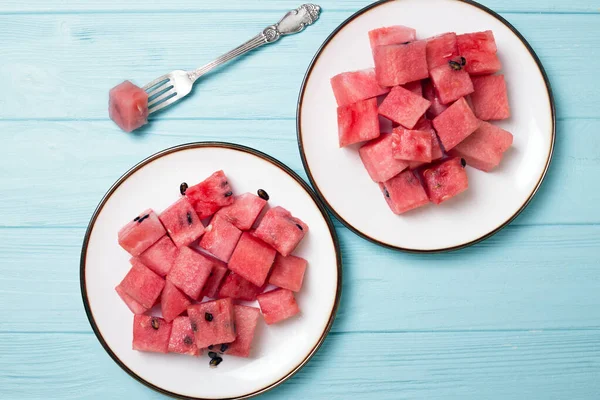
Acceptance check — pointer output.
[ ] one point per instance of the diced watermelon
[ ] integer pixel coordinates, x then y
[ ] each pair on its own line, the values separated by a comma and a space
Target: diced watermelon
237, 287
190, 272
220, 238
477, 41
451, 81
403, 107
213, 322
277, 305
160, 256
252, 258
141, 284
484, 148
396, 34
378, 159
430, 94
288, 272
246, 319
404, 192
173, 302
244, 210
182, 338
281, 230
414, 87
141, 233
455, 124
436, 150
445, 180
358, 122
128, 106
133, 305
411, 145
182, 223
213, 283
210, 195
441, 49
401, 63
151, 334
350, 87
490, 100
479, 49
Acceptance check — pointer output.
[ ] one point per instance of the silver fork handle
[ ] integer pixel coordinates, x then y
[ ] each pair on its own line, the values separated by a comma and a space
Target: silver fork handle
292, 22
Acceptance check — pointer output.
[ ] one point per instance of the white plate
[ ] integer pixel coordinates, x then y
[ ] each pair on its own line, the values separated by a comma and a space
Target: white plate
279, 350
493, 199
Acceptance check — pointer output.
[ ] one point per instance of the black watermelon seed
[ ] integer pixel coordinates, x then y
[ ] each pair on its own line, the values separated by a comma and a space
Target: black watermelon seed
212, 354
136, 218
210, 347
230, 193
387, 194
215, 361
143, 218
189, 218
463, 61
188, 340
454, 65
208, 316
405, 43
194, 327
154, 323
300, 227
183, 188
463, 162
262, 194
224, 347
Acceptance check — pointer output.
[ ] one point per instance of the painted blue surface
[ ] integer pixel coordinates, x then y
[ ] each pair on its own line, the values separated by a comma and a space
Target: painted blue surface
515, 317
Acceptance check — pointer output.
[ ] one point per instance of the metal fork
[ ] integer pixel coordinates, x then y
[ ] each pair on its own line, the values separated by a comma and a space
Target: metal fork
169, 88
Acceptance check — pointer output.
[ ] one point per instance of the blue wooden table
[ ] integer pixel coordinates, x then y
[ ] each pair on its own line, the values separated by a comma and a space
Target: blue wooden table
517, 316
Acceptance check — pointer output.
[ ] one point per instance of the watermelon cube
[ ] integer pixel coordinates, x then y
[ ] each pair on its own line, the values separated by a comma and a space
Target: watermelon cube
213, 322
182, 223
141, 233
220, 238
151, 334
216, 276
128, 106
281, 230
479, 49
252, 258
451, 82
358, 122
277, 305
244, 210
160, 256
210, 195
237, 287
190, 272
288, 272
378, 159
350, 87
182, 338
396, 34
414, 87
141, 284
489, 99
403, 107
484, 148
441, 49
398, 64
455, 124
445, 180
246, 319
173, 302
430, 94
411, 145
404, 192
133, 305
425, 125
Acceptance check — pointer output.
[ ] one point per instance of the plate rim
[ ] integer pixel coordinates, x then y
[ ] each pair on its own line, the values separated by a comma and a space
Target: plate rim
222, 145
406, 249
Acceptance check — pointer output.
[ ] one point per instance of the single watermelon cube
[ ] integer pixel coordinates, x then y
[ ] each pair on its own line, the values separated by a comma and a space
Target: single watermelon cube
277, 305
213, 283
436, 150
445, 180
213, 322
141, 233
350, 87
441, 49
133, 305
484, 148
288, 272
411, 145
451, 81
414, 87
430, 94
480, 51
128, 106
404, 192
220, 238
455, 124
378, 159
403, 107
182, 338
244, 210
398, 64
252, 258
358, 122
160, 256
237, 287
210, 195
246, 319
173, 302
489, 99
141, 284
182, 223
151, 334
396, 34
190, 272
281, 230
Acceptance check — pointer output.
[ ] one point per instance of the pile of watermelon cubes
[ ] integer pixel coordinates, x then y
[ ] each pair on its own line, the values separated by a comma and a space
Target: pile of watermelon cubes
439, 94
198, 275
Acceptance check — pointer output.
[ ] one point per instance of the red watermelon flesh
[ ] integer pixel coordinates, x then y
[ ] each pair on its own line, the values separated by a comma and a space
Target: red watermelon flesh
210, 195
430, 94
151, 334
378, 159
182, 223
404, 192
396, 34
441, 49
213, 322
401, 63
213, 283
450, 83
141, 233
281, 230
403, 107
190, 272
128, 106
436, 150
220, 238
455, 124
411, 145
141, 284
244, 210
414, 87
182, 338
277, 305
160, 256
246, 319
237, 287
490, 100
252, 259
288, 272
358, 122
479, 49
445, 180
350, 87
485, 147
133, 305
173, 302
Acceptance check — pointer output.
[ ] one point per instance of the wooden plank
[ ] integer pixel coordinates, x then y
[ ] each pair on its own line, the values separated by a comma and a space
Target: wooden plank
62, 65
